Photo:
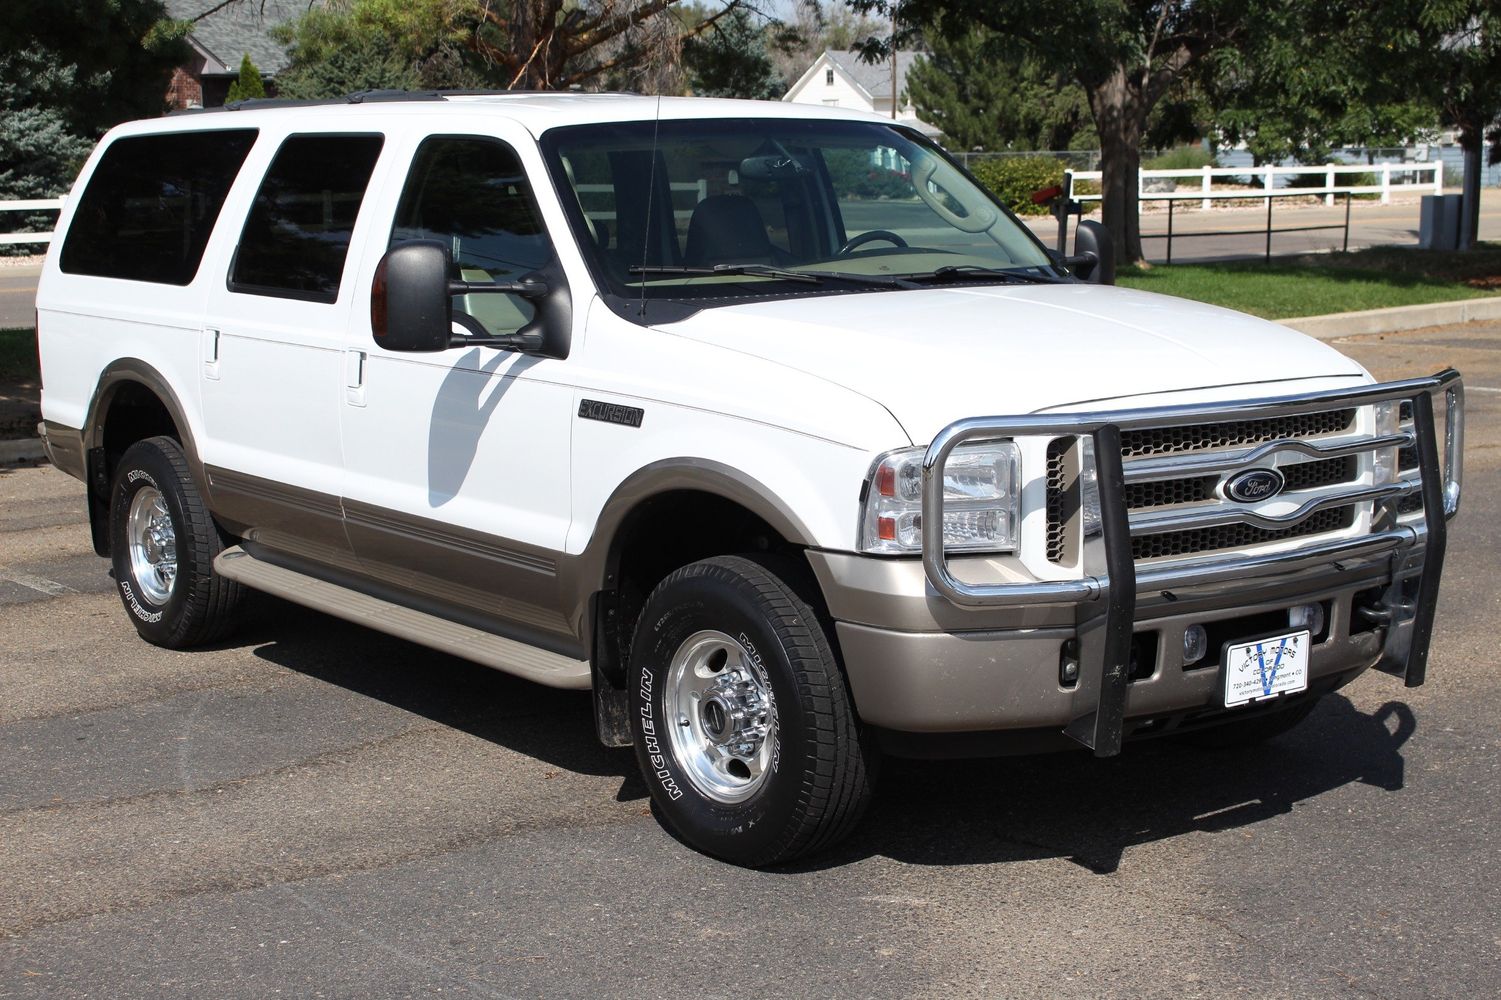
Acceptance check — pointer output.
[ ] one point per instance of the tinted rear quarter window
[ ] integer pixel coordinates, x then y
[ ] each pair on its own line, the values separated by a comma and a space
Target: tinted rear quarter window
151, 205
298, 232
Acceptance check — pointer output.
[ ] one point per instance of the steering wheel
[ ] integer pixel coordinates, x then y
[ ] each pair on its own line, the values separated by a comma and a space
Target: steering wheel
874, 236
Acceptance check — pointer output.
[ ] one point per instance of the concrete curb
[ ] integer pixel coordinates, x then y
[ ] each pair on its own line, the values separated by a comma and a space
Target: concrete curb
24, 450
1396, 319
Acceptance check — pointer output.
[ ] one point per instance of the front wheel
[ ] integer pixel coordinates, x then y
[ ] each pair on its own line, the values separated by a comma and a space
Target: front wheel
743, 725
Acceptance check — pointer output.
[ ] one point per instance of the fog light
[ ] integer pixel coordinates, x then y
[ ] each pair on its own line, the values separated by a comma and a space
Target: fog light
1195, 644
1068, 664
1309, 616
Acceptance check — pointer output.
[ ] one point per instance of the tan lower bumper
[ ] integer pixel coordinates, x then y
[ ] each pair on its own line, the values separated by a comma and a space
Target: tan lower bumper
968, 681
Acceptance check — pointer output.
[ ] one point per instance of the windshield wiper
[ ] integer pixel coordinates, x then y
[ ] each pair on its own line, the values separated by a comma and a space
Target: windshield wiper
754, 270
768, 271
963, 272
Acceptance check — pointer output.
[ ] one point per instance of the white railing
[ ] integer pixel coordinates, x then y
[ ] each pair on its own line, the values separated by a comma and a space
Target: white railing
33, 205
1206, 193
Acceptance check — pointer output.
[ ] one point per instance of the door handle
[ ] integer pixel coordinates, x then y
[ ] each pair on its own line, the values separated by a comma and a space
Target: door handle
211, 354
354, 378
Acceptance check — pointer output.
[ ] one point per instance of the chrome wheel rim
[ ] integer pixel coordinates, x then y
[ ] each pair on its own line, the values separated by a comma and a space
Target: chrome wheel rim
153, 545
721, 717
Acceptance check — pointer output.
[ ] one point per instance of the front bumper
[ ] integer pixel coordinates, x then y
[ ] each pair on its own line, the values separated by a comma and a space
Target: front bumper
1009, 678
914, 666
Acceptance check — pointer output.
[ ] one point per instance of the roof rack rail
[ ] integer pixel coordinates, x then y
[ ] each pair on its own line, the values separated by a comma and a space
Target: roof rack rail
373, 97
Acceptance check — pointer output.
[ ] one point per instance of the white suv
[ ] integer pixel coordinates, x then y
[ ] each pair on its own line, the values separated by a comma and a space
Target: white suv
765, 422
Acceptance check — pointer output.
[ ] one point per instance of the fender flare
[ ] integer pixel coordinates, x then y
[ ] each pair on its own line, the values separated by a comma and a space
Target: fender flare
594, 569
133, 370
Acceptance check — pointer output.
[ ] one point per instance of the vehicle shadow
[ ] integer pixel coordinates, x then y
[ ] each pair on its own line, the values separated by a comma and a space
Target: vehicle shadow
962, 812
1089, 811
543, 723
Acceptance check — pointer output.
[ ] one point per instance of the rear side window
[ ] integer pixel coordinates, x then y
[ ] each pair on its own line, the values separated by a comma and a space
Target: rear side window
297, 235
151, 204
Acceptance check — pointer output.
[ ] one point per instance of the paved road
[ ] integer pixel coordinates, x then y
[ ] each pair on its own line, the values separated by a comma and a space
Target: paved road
18, 296
313, 810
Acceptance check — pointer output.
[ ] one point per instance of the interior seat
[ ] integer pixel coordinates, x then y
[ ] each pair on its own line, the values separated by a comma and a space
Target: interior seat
728, 229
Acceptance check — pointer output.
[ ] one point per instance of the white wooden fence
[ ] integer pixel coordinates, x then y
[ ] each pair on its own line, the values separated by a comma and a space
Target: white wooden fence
1389, 176
34, 205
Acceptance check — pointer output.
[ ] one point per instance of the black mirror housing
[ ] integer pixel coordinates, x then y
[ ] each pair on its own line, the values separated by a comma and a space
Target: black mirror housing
411, 308
1092, 240
409, 305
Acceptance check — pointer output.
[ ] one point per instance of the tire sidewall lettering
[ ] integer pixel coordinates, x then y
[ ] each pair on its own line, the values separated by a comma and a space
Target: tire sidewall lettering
669, 631
656, 756
136, 608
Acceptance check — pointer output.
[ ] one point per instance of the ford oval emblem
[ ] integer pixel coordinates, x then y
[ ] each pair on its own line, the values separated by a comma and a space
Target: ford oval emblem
1255, 485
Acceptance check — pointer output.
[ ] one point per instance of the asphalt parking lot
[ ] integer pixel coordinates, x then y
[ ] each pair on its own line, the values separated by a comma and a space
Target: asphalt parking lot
314, 810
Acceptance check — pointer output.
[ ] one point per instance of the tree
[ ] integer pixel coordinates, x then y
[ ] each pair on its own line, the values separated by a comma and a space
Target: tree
248, 85
985, 93
1127, 55
330, 55
507, 44
68, 72
730, 60
816, 26
1302, 93
1462, 39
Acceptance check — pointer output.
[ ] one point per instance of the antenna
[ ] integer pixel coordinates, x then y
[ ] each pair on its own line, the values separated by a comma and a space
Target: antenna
651, 189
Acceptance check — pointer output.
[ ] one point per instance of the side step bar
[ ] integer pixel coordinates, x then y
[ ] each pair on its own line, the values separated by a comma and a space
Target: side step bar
507, 655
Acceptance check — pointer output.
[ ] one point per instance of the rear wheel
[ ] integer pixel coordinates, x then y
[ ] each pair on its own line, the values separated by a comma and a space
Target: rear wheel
743, 725
163, 543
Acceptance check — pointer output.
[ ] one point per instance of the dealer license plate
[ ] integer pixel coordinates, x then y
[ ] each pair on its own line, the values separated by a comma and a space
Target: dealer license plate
1266, 668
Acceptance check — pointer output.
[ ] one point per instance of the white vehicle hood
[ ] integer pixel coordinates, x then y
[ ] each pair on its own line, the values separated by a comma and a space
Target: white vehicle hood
933, 356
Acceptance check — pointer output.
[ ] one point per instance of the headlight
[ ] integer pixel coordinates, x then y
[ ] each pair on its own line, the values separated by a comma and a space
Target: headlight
980, 500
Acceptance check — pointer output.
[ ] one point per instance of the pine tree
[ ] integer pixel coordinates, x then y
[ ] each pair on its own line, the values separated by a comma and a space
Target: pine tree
983, 93
248, 85
730, 60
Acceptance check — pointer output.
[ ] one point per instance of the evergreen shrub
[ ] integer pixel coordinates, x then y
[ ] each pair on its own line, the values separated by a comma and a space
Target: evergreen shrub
1013, 179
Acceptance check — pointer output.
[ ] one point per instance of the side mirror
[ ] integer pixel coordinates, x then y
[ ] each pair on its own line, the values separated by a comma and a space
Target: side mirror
1094, 253
409, 305
411, 308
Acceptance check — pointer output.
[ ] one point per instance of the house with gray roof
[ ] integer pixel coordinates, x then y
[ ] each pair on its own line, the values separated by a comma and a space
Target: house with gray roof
221, 39
839, 79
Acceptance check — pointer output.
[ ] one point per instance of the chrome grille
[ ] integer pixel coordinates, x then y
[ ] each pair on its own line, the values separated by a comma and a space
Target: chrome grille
1175, 475
1311, 475
1167, 492
1234, 536
1232, 433
1058, 490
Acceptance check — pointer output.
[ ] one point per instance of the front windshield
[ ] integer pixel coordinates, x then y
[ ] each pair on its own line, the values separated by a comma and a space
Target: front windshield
719, 208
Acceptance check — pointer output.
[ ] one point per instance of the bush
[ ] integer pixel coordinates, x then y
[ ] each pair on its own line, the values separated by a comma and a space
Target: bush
1319, 180
1182, 158
853, 174
1013, 179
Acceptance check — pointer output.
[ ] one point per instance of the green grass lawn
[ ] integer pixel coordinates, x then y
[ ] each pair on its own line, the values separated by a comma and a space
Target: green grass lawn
18, 353
1316, 284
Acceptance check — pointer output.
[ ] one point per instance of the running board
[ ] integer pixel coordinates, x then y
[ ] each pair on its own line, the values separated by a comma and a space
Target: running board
508, 655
